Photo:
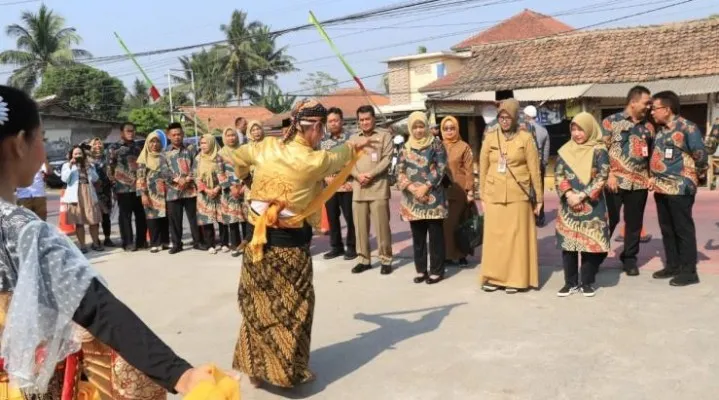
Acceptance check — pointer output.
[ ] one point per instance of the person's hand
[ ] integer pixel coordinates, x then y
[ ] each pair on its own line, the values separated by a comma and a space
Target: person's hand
612, 183
577, 207
470, 197
651, 183
235, 192
364, 179
422, 190
364, 143
161, 186
181, 182
146, 201
537, 209
194, 376
73, 161
572, 198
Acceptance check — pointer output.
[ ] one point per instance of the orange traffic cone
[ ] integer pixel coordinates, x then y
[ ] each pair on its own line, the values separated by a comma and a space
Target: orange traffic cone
325, 224
64, 227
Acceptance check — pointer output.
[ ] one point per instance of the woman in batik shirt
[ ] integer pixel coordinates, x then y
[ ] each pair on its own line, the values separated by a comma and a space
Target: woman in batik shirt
152, 187
231, 200
256, 134
30, 274
582, 221
276, 295
211, 179
421, 167
103, 187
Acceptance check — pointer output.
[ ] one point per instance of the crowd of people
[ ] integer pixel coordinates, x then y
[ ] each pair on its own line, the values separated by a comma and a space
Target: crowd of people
265, 194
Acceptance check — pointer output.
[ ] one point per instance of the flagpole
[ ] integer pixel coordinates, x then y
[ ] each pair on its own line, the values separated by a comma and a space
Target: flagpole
154, 93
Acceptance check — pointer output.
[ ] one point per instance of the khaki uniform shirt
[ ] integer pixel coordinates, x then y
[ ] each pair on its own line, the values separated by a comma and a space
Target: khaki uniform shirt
376, 163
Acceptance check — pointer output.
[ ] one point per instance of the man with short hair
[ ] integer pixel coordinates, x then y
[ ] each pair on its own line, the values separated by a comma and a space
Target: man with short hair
181, 190
341, 201
122, 170
241, 128
371, 193
678, 159
542, 137
628, 135
34, 197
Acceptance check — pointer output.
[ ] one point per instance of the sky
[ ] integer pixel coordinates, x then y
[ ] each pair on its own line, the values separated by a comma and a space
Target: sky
160, 24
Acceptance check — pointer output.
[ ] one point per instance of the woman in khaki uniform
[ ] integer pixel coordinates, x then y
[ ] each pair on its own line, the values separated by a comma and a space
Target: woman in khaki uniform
508, 172
461, 192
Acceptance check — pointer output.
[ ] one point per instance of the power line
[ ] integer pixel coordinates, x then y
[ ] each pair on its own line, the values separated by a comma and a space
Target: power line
12, 3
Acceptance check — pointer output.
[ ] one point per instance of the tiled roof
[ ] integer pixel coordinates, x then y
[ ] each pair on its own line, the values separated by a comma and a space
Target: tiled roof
525, 25
350, 99
223, 117
679, 50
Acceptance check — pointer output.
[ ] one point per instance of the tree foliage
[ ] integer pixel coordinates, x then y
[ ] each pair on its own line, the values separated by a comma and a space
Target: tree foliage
43, 41
84, 91
147, 119
319, 83
212, 83
275, 101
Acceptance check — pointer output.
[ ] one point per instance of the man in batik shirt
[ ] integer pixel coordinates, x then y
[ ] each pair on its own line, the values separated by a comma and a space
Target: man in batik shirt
678, 159
628, 136
341, 201
122, 170
181, 190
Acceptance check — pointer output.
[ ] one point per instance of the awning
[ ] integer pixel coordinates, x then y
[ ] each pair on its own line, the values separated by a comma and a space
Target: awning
681, 86
525, 95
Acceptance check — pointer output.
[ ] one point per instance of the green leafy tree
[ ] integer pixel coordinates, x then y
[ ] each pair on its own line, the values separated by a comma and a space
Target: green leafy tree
212, 85
243, 60
84, 91
421, 49
139, 96
43, 41
147, 119
271, 60
319, 83
275, 101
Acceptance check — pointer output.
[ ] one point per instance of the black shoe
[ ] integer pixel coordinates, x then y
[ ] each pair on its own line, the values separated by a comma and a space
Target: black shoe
463, 263
685, 279
97, 247
108, 243
567, 290
350, 255
432, 281
360, 268
165, 247
645, 239
666, 273
588, 291
333, 254
131, 249
386, 269
420, 279
540, 223
154, 250
175, 250
201, 247
449, 263
631, 269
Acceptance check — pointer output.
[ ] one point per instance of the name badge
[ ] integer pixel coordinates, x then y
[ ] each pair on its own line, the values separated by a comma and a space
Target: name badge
668, 153
375, 157
502, 165
645, 151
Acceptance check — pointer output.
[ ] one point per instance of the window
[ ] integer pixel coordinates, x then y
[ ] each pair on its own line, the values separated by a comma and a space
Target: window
441, 70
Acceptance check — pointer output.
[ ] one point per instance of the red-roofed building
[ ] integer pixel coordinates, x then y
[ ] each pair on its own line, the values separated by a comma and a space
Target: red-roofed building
211, 119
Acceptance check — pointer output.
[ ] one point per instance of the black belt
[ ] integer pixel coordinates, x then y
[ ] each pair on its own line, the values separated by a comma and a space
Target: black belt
285, 237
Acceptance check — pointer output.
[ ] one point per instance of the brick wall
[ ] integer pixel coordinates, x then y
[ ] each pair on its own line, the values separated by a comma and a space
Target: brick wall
399, 88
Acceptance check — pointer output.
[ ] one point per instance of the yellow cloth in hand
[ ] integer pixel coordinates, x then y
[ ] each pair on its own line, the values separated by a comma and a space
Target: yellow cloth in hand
222, 387
87, 391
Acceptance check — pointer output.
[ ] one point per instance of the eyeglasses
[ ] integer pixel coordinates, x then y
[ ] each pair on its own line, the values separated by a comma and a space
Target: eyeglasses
448, 128
505, 119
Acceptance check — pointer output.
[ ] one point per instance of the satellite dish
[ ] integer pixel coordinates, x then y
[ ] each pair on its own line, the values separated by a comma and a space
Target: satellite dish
161, 135
398, 140
489, 113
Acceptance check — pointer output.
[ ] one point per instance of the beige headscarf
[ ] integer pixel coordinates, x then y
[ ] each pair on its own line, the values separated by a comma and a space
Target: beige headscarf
414, 143
226, 151
207, 162
249, 131
511, 107
150, 158
94, 154
580, 157
456, 137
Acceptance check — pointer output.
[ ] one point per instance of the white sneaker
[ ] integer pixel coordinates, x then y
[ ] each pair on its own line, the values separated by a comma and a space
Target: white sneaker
212, 250
225, 249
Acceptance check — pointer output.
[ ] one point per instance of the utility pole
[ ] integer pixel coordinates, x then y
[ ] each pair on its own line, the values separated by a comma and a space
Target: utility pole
194, 96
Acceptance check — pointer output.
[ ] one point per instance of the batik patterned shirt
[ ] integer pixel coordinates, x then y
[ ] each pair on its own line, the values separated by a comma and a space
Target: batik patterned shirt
153, 184
122, 165
712, 140
426, 166
679, 158
628, 144
330, 142
180, 164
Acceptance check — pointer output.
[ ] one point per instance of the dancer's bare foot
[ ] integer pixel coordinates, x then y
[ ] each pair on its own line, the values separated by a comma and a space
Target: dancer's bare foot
256, 382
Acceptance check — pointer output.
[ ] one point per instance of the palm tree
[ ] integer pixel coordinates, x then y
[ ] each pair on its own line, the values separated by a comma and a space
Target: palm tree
272, 61
42, 41
243, 60
275, 101
212, 86
139, 96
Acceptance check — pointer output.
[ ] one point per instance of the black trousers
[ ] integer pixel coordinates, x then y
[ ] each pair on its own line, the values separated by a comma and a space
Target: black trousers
679, 235
540, 218
341, 203
634, 202
106, 225
230, 235
159, 231
175, 210
435, 228
590, 267
129, 204
208, 235
245, 231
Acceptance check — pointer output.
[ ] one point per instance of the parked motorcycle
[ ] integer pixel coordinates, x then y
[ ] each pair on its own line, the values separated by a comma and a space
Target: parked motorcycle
398, 143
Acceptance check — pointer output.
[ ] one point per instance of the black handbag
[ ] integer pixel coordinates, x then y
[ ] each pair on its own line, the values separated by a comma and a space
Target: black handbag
530, 193
469, 234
